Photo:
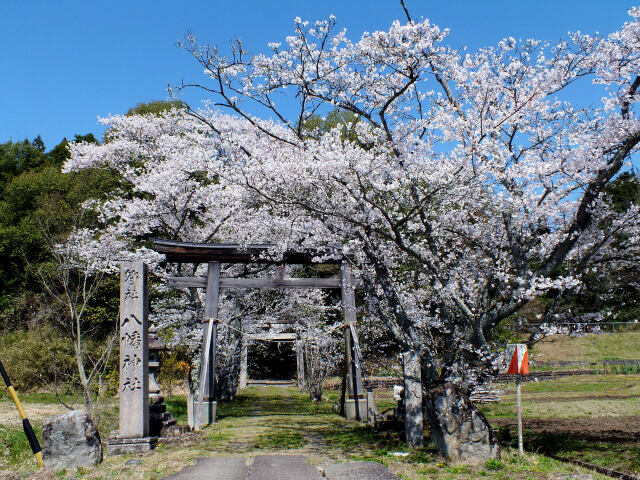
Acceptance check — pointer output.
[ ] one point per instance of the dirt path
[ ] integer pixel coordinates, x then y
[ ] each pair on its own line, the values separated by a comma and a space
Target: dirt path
37, 413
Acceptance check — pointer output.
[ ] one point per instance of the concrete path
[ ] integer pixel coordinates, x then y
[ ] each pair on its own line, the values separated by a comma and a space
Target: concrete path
218, 468
272, 467
279, 467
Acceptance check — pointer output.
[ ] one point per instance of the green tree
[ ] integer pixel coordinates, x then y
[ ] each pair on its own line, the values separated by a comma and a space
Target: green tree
154, 107
16, 158
37, 197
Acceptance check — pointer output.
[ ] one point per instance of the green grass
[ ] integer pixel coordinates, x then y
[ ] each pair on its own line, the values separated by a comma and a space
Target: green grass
346, 437
575, 397
177, 405
269, 402
15, 451
621, 456
217, 438
572, 397
494, 464
280, 439
46, 397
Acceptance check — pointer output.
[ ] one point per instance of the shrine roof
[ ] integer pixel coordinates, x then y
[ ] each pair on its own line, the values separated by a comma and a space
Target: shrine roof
187, 252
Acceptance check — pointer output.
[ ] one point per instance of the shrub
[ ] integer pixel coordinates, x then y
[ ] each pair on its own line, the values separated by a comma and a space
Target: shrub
37, 357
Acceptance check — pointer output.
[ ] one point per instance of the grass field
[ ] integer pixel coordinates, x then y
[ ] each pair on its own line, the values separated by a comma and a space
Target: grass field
282, 420
594, 418
584, 396
591, 349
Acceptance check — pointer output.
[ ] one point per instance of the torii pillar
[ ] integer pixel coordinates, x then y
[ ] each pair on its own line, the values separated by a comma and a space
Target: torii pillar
356, 402
206, 407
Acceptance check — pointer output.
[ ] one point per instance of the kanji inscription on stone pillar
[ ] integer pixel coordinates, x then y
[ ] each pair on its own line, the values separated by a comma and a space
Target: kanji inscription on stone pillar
134, 351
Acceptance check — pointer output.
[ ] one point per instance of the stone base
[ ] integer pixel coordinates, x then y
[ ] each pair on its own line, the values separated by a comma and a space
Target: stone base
350, 409
160, 421
122, 446
208, 412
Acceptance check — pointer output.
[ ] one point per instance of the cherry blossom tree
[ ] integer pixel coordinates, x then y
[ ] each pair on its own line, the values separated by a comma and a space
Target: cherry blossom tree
473, 184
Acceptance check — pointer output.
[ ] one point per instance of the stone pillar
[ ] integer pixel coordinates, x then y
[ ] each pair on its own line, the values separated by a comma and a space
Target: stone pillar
134, 351
244, 365
413, 420
300, 364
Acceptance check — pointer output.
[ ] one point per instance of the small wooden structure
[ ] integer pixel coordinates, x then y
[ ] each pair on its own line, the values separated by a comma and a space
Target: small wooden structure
214, 255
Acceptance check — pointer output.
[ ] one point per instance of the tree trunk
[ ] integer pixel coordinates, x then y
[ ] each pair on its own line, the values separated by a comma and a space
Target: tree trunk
228, 368
458, 428
315, 391
314, 371
228, 381
82, 374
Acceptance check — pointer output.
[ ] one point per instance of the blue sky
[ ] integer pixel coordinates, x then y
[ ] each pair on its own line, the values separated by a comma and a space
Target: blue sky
64, 63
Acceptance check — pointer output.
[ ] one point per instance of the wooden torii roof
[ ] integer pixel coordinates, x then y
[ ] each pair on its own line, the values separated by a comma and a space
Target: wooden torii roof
187, 252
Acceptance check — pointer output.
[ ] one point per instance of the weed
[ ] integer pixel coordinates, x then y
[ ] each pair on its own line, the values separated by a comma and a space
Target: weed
458, 469
493, 464
425, 455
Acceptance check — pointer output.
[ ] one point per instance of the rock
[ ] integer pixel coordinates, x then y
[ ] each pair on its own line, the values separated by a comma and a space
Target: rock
70, 440
458, 428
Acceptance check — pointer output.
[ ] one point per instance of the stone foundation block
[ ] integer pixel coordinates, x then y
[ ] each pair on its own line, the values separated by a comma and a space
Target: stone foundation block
350, 409
123, 446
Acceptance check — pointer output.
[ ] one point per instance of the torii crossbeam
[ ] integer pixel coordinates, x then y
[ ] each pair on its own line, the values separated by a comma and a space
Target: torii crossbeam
216, 253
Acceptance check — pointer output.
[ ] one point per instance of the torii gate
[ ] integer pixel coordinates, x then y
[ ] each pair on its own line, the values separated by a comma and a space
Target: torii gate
216, 253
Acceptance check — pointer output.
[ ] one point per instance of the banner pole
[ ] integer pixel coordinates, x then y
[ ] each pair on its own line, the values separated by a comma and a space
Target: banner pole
26, 425
519, 407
